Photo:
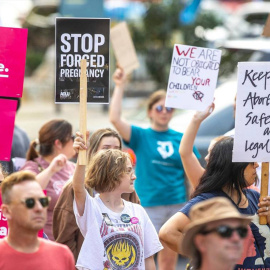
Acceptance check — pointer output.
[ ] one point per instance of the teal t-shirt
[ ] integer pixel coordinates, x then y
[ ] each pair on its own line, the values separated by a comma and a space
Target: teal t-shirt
159, 169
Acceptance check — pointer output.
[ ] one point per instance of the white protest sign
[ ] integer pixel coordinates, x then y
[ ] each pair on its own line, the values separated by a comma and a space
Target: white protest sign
193, 77
252, 122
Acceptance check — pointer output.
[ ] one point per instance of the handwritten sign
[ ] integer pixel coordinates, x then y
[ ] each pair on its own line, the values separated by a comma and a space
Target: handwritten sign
7, 115
123, 47
252, 122
13, 45
76, 39
193, 77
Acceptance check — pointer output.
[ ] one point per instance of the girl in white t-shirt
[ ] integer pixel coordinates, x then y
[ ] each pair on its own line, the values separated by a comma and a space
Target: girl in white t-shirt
118, 234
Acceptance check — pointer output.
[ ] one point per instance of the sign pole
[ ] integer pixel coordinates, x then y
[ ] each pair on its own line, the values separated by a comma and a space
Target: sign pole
83, 109
264, 188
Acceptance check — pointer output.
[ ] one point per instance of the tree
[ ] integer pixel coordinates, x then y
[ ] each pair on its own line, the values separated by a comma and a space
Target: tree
160, 29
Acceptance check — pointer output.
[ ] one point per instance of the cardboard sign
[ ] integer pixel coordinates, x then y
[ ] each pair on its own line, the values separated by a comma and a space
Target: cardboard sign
76, 39
13, 46
252, 122
7, 115
123, 47
193, 77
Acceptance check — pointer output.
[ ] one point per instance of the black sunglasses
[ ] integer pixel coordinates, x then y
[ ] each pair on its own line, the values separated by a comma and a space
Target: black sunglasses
159, 108
30, 202
226, 231
73, 137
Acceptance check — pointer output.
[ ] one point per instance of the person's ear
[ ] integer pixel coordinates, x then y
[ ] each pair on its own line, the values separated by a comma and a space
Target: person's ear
6, 211
58, 144
199, 242
149, 114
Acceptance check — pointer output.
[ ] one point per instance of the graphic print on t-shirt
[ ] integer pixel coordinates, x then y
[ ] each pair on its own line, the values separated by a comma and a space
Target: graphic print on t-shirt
165, 149
122, 251
122, 243
255, 249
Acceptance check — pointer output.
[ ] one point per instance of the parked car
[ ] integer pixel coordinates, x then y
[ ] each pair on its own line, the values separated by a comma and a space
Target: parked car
246, 22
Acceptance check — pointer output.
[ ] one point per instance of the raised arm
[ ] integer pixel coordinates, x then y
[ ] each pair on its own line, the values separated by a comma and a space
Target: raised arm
55, 166
79, 175
191, 164
171, 233
115, 113
150, 263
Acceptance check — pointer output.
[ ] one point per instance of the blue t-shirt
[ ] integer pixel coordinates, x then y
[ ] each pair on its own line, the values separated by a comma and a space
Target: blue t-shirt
159, 170
258, 240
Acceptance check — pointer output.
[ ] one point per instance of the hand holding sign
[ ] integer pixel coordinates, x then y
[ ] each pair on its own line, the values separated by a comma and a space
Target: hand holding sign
252, 121
119, 77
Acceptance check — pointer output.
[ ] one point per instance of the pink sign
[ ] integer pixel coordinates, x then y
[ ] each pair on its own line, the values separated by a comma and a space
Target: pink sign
13, 45
7, 115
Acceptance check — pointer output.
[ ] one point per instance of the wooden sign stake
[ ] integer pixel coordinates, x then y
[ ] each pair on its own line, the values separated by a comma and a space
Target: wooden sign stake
83, 109
264, 188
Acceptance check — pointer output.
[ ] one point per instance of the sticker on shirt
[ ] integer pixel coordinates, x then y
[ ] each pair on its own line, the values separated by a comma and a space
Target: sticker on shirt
165, 149
107, 219
134, 220
122, 252
125, 218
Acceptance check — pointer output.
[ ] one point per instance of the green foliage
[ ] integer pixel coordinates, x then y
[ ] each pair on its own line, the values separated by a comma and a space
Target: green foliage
160, 30
33, 60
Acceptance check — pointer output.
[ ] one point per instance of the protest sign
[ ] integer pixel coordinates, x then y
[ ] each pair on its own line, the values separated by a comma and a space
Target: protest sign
13, 46
193, 77
7, 114
123, 47
76, 39
252, 121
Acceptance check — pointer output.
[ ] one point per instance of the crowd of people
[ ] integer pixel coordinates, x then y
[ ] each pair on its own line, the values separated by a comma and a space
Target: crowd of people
111, 214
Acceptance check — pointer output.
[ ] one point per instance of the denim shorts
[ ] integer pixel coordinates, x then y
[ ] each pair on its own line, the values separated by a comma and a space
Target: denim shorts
160, 214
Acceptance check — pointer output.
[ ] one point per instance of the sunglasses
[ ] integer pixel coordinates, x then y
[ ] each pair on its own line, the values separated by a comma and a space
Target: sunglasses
73, 137
159, 108
226, 231
31, 202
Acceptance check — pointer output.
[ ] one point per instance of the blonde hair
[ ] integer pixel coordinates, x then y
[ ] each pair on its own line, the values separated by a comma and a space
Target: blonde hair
12, 180
105, 170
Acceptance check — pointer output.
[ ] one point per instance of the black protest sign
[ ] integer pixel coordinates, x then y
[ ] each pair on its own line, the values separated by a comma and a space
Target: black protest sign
76, 39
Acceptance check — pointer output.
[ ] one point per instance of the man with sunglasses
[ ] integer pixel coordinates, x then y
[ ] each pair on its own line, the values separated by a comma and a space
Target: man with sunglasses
25, 207
215, 238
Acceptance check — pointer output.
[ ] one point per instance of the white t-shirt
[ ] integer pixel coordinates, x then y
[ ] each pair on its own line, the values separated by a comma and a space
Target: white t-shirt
115, 240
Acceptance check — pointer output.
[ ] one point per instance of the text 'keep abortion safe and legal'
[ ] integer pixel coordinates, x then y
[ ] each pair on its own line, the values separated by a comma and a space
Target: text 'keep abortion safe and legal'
252, 131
